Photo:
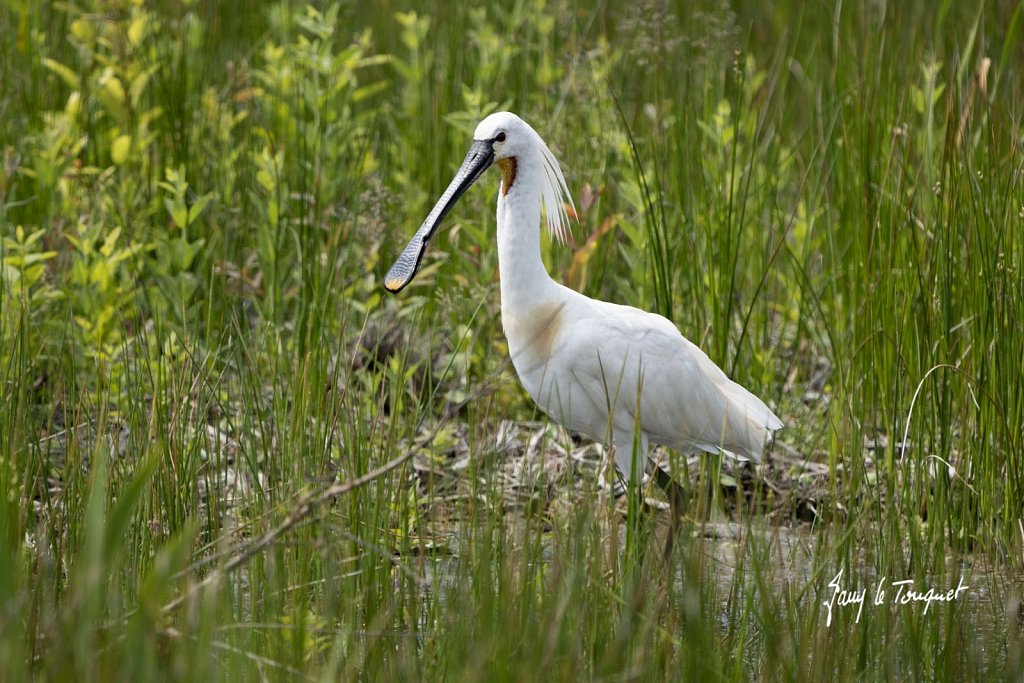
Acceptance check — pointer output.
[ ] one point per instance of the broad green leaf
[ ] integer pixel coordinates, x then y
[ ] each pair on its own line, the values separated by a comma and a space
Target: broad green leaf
120, 149
65, 73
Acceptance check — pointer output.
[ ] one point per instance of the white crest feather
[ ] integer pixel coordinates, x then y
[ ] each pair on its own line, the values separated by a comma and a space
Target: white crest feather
555, 195
554, 191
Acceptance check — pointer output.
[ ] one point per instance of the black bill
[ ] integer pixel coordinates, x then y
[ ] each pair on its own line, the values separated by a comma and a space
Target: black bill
480, 157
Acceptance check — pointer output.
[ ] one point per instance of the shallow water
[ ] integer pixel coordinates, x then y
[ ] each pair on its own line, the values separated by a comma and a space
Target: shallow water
788, 561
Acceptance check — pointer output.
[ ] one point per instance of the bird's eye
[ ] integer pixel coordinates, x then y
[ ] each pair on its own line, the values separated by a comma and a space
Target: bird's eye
500, 137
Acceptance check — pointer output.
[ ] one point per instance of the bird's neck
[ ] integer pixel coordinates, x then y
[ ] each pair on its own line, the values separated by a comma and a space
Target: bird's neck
524, 279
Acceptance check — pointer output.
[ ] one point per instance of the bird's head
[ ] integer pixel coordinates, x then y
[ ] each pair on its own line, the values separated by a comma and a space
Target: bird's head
506, 139
509, 138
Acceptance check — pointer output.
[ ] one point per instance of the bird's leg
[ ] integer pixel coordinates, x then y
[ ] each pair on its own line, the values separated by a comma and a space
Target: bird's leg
712, 508
678, 501
630, 454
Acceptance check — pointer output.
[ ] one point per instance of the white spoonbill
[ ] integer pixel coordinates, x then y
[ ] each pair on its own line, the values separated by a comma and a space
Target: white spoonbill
614, 373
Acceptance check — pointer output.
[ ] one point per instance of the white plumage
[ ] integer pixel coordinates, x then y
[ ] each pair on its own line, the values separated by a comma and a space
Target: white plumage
614, 373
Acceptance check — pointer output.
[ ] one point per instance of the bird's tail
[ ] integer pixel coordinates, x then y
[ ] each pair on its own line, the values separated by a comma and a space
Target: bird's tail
749, 424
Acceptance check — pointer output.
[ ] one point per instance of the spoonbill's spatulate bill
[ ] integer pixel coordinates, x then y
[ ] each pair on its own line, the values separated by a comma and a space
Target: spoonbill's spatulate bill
615, 373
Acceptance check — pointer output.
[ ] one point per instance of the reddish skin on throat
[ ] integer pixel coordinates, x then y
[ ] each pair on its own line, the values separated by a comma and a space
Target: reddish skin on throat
508, 174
